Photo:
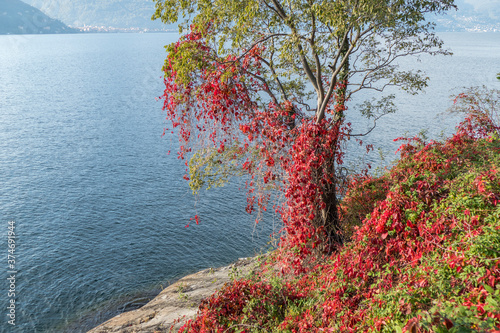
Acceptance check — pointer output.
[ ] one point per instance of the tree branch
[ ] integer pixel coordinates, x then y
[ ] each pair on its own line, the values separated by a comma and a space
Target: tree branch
321, 111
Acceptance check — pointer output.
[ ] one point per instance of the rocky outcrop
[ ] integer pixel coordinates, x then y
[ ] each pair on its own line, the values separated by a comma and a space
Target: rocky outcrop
177, 303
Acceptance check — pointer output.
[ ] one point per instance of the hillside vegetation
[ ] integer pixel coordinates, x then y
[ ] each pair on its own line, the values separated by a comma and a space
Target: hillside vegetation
16, 17
424, 254
471, 16
137, 13
109, 13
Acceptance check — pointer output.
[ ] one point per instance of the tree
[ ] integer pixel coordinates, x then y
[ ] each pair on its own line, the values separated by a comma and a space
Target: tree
260, 87
481, 104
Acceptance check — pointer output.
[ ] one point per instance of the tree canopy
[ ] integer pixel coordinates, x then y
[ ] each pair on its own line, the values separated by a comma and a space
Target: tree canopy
260, 87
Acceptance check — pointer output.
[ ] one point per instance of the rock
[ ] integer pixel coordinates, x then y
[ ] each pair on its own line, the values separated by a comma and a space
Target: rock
177, 303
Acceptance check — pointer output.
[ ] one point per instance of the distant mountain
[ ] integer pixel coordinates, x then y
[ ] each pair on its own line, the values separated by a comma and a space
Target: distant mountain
472, 15
16, 17
108, 13
477, 16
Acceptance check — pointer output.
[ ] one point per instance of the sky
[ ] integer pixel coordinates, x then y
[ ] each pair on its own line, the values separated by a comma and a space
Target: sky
482, 4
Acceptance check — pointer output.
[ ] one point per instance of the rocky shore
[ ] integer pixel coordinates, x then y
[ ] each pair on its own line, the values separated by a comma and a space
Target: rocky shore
177, 303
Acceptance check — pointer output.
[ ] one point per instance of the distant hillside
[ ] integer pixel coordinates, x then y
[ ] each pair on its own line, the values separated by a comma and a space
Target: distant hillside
473, 15
484, 16
16, 17
108, 13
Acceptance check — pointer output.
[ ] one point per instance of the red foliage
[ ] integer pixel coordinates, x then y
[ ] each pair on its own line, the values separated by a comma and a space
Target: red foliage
280, 144
409, 220
421, 233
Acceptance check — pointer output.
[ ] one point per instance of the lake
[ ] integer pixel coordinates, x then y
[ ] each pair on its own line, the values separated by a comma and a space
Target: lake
99, 206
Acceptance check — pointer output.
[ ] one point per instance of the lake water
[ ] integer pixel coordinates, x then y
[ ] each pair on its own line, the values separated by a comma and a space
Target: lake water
100, 208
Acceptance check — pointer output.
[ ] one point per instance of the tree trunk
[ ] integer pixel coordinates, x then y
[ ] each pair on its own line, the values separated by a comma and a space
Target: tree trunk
330, 215
330, 218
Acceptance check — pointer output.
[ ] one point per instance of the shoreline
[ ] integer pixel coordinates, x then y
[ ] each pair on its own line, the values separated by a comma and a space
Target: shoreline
177, 303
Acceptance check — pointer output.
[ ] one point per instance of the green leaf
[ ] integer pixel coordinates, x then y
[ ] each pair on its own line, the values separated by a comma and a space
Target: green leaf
489, 289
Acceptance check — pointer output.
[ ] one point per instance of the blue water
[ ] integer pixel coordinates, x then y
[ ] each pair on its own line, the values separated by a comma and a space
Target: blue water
475, 62
100, 208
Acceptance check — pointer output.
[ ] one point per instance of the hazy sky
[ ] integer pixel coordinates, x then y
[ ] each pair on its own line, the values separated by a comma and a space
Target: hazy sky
483, 3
